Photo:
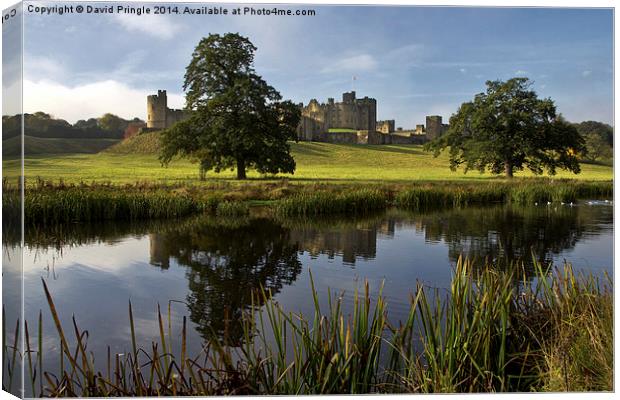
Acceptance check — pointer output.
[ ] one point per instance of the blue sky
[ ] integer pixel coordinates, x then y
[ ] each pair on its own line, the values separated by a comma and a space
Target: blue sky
415, 61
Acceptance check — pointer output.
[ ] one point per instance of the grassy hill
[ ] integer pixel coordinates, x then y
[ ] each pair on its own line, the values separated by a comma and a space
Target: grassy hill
146, 143
136, 160
36, 145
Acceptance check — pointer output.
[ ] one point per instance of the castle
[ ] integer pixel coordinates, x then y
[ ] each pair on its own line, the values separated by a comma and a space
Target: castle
354, 121
158, 115
351, 121
351, 113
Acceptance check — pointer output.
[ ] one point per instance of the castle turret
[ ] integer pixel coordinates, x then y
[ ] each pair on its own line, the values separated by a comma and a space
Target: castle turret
434, 127
348, 97
156, 106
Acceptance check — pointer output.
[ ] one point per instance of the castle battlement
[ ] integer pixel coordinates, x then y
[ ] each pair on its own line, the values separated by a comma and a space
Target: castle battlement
352, 113
353, 120
158, 115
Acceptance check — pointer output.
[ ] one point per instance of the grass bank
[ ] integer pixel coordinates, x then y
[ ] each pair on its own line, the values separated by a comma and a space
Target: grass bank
47, 202
135, 160
492, 332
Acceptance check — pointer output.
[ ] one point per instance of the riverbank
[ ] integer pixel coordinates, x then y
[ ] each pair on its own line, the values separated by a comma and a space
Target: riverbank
493, 332
49, 203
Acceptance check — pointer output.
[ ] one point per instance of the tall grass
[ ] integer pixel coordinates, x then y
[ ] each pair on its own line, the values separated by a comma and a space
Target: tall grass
47, 202
359, 201
421, 198
232, 209
523, 192
492, 331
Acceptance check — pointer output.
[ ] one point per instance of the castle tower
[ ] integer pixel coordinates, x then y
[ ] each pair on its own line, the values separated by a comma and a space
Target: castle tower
434, 127
348, 97
156, 106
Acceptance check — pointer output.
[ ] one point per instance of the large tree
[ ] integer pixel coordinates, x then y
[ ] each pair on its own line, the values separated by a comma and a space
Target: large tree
237, 120
507, 129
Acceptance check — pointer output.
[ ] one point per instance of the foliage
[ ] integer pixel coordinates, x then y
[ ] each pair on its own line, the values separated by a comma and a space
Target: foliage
49, 202
232, 209
360, 201
42, 125
50, 205
508, 129
238, 120
492, 331
111, 123
597, 149
604, 131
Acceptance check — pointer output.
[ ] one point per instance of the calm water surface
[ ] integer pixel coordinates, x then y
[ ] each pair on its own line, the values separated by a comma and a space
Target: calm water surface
210, 267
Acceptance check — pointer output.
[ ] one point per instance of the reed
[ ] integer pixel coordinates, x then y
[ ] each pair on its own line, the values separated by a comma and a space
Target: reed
47, 203
493, 331
356, 202
50, 206
232, 209
424, 198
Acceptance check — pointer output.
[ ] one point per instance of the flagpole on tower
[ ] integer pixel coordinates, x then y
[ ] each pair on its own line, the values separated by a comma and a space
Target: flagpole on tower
353, 83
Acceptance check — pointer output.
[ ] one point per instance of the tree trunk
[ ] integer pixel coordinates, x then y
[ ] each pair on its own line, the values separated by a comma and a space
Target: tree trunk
240, 168
508, 169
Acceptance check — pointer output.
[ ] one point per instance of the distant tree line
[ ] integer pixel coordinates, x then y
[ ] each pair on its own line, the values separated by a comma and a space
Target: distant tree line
40, 124
599, 140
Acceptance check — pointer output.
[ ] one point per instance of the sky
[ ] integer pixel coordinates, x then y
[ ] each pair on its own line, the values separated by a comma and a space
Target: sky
415, 61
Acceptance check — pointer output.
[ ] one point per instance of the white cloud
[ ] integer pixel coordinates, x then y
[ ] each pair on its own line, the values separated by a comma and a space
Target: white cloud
586, 73
89, 100
11, 98
360, 62
159, 26
463, 70
41, 67
520, 72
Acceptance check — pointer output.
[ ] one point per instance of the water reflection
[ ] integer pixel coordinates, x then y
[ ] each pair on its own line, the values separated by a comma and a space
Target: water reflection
228, 264
216, 265
514, 234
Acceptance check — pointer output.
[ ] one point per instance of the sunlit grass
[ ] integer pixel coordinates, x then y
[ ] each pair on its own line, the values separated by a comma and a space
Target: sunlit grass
331, 163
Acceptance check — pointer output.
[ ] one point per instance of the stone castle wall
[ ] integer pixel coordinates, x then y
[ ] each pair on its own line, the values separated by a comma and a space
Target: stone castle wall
158, 115
434, 127
357, 115
387, 126
351, 113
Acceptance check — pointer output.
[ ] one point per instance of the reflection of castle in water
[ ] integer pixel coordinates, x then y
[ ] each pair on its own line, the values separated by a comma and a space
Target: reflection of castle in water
493, 233
352, 243
227, 264
359, 241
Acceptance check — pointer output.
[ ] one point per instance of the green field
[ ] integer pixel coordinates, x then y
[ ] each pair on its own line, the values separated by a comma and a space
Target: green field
337, 163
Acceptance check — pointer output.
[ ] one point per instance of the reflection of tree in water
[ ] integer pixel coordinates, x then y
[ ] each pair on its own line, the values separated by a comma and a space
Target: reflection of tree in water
505, 233
227, 265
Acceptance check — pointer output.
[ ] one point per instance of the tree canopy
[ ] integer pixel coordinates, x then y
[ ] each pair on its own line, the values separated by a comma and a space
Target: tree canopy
237, 119
41, 124
599, 140
508, 129
604, 131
